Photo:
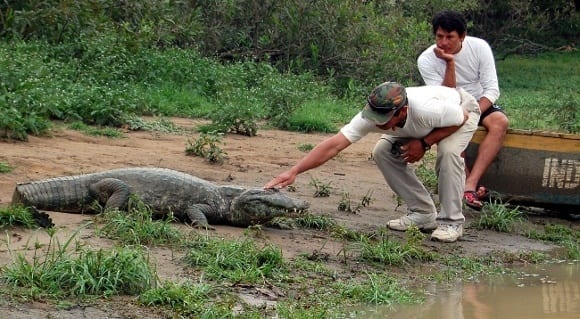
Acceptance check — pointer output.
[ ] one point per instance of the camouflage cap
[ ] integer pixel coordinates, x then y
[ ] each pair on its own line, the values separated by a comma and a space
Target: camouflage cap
383, 101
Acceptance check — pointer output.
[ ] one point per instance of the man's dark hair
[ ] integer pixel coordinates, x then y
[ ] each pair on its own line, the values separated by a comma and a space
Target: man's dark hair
449, 21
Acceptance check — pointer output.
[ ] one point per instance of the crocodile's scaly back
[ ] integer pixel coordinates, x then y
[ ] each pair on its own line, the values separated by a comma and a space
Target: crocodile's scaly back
164, 190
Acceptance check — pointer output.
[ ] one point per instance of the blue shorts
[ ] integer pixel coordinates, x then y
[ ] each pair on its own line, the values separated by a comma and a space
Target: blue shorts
493, 108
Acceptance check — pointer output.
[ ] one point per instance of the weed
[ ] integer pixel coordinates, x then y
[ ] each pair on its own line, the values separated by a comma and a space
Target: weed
206, 146
367, 199
95, 131
315, 222
305, 147
5, 167
497, 216
399, 201
235, 119
137, 227
16, 215
321, 189
384, 250
345, 204
63, 270
378, 289
561, 235
234, 260
256, 231
135, 123
186, 298
462, 267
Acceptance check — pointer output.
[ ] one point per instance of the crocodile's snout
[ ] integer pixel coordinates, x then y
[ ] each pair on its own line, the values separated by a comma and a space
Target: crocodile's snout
256, 206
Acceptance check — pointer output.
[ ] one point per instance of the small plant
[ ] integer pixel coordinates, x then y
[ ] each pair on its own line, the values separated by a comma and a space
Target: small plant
498, 216
235, 119
16, 216
5, 167
305, 147
95, 131
345, 204
367, 199
137, 227
378, 289
562, 235
399, 200
135, 123
206, 146
413, 245
320, 189
186, 298
315, 222
255, 231
384, 251
67, 270
234, 260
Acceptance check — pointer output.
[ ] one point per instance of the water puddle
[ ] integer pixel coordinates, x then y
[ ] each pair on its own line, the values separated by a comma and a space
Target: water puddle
537, 292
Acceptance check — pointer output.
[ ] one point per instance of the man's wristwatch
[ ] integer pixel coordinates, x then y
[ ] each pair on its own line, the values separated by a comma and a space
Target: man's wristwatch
426, 146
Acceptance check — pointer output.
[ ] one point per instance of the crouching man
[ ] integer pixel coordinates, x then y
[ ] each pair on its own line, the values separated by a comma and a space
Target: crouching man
407, 118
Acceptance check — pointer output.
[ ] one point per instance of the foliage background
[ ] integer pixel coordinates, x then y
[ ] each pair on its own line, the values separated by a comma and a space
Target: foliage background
105, 61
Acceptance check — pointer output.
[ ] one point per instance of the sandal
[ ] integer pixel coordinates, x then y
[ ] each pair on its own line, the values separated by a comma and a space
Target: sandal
482, 193
472, 200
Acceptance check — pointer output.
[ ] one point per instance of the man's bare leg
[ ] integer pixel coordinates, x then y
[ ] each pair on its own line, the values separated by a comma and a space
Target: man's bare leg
496, 124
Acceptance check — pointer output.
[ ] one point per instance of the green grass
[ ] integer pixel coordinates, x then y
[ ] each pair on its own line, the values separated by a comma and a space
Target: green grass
42, 83
16, 216
564, 236
235, 260
499, 217
541, 92
64, 270
95, 131
306, 286
5, 167
137, 227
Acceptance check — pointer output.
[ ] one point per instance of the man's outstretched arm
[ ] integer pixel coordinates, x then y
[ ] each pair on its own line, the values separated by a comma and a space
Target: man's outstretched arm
319, 155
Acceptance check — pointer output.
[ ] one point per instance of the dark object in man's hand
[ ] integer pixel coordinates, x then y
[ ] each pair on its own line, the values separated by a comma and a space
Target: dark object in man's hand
396, 148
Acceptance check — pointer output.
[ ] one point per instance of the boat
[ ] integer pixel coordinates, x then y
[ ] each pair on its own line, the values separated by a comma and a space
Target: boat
533, 168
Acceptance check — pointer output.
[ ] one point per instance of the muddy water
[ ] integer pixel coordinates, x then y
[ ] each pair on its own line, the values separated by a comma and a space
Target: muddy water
537, 292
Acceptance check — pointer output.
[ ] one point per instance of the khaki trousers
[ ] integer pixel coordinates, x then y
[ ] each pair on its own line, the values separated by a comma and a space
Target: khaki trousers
450, 169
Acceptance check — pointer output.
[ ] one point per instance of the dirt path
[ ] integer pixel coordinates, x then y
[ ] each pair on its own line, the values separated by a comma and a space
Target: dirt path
252, 161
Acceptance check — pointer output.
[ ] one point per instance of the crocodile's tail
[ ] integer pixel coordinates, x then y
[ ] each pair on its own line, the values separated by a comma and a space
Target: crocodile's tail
42, 219
65, 194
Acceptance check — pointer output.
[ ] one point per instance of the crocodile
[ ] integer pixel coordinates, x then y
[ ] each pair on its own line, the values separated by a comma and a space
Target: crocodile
164, 191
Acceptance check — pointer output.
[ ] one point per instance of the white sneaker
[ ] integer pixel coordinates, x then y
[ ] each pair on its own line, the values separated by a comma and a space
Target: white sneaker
448, 233
423, 222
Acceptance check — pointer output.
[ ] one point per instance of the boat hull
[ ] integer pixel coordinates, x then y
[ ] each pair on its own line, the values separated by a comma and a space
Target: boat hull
534, 168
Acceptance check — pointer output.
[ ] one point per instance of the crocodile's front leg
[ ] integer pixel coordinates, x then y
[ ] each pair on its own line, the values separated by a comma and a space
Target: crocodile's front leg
196, 214
114, 193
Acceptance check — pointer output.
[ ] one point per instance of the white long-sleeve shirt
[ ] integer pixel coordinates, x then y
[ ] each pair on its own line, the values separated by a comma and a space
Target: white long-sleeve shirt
474, 68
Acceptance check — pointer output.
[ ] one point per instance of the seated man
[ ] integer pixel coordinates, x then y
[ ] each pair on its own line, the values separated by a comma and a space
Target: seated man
409, 117
458, 60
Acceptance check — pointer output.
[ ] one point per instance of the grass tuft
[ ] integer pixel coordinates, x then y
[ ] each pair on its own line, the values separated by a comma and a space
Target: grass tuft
64, 270
499, 217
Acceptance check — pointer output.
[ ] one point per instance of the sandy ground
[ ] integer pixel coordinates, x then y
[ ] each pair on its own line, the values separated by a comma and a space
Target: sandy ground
252, 161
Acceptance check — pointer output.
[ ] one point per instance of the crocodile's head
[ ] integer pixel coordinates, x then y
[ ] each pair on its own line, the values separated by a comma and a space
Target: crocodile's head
259, 206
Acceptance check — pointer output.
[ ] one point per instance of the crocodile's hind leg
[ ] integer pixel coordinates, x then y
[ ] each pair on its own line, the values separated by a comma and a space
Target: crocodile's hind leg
197, 217
114, 193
